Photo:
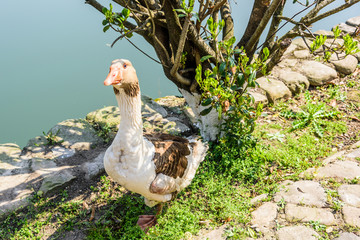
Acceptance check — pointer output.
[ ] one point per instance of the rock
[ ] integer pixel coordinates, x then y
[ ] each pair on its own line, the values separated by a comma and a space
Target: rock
16, 181
171, 101
56, 180
274, 89
346, 28
338, 170
259, 98
334, 157
75, 130
36, 144
295, 213
324, 32
309, 193
61, 152
355, 145
355, 21
264, 217
354, 154
288, 63
107, 115
347, 236
296, 82
351, 215
297, 233
302, 54
299, 42
9, 158
350, 194
317, 73
357, 55
94, 168
149, 106
290, 50
177, 127
42, 166
346, 65
190, 115
258, 199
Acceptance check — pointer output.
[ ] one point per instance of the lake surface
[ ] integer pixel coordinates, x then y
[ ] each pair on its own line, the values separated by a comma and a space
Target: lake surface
54, 58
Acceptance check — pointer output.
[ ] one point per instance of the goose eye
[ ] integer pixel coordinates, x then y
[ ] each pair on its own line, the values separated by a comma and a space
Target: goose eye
124, 66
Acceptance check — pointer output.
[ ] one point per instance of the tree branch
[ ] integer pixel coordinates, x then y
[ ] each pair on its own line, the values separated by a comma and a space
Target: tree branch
228, 30
174, 69
255, 37
330, 12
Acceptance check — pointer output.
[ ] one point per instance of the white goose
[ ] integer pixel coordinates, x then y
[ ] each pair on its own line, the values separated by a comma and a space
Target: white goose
156, 166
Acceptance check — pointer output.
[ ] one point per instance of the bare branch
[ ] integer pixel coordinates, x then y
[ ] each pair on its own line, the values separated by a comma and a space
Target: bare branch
331, 12
255, 37
95, 4
174, 69
228, 31
274, 26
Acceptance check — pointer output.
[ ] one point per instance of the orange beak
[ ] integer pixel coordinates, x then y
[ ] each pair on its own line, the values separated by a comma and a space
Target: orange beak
114, 77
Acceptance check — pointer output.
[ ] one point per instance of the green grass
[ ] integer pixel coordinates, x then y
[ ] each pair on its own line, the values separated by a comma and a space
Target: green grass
219, 194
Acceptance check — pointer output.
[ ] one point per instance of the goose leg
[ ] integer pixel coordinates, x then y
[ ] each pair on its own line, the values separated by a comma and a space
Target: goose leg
147, 221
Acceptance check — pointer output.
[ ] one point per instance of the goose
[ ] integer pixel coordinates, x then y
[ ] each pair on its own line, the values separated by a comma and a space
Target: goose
156, 166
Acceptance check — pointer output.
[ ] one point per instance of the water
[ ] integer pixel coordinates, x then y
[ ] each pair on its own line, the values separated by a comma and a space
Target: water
54, 58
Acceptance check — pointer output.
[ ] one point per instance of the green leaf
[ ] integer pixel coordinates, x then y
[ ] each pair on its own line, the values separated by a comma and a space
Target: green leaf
104, 10
222, 68
205, 111
203, 59
240, 80
266, 53
206, 102
105, 22
106, 28
125, 12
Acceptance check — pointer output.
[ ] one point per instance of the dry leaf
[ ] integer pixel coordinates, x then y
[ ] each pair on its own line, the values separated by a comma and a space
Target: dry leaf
92, 216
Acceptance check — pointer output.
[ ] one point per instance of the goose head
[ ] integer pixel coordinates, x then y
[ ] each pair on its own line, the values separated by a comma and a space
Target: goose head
122, 75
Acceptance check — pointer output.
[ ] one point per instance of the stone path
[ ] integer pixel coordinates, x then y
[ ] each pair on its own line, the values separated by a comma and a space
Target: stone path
326, 199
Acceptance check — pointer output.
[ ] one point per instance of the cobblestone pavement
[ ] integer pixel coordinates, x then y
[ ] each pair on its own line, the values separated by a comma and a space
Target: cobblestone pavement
302, 210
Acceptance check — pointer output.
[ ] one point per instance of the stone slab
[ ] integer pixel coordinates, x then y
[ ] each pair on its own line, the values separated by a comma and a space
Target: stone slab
308, 193
355, 154
72, 131
294, 213
350, 194
347, 236
351, 216
263, 217
346, 28
338, 170
297, 233
295, 81
274, 89
355, 21
346, 65
317, 73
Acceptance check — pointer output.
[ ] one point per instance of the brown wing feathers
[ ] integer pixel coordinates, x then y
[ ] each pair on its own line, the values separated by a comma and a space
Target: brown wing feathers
170, 154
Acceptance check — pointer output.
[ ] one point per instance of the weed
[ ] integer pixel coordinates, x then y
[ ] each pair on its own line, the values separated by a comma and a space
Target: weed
52, 139
337, 205
281, 204
104, 132
317, 226
276, 136
313, 113
336, 93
